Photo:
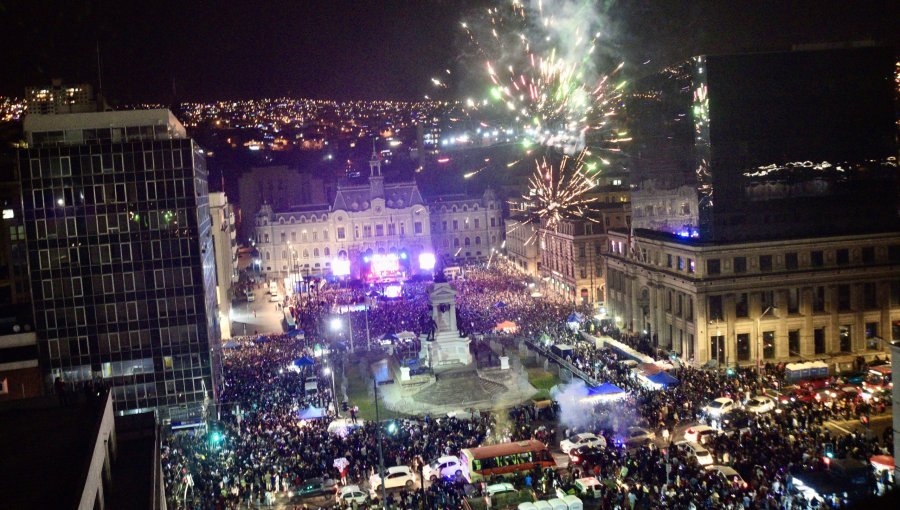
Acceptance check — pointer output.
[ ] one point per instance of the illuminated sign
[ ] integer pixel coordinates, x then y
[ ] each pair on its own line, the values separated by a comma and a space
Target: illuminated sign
340, 267
385, 264
392, 291
426, 261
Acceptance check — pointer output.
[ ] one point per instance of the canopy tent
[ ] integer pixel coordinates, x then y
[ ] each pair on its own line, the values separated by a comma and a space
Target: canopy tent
604, 392
389, 336
663, 379
499, 304
311, 413
305, 361
231, 344
407, 335
575, 317
882, 462
296, 332
261, 339
507, 327
648, 369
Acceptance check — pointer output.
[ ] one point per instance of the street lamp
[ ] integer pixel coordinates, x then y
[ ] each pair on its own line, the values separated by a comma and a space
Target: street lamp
773, 309
329, 371
337, 326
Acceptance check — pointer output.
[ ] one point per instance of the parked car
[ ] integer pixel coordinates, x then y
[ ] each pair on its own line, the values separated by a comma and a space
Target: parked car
817, 383
586, 456
700, 434
720, 407
351, 494
760, 405
499, 488
274, 298
579, 440
589, 486
738, 421
637, 436
315, 487
444, 467
701, 454
729, 475
251, 297
396, 476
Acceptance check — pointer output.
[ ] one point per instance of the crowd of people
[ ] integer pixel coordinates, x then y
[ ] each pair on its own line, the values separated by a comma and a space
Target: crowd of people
263, 447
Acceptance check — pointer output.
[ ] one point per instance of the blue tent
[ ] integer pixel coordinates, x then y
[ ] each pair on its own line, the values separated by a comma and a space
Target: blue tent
305, 361
295, 332
499, 304
231, 344
390, 336
604, 389
663, 379
261, 339
311, 413
575, 317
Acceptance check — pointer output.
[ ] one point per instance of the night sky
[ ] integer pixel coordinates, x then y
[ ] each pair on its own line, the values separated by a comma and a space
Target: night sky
224, 49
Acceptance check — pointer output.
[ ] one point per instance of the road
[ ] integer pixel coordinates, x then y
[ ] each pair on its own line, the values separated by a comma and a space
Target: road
259, 316
877, 426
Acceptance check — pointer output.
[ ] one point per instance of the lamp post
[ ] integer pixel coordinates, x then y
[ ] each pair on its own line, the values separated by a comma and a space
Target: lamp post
330, 371
380, 450
759, 340
337, 326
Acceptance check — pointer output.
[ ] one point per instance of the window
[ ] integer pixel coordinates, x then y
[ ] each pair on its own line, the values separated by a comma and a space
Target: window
765, 262
846, 339
379, 230
768, 340
715, 308
741, 306
868, 255
493, 222
669, 261
713, 266
417, 227
477, 223
367, 230
680, 264
817, 258
872, 340
819, 340
690, 265
843, 256
790, 261
894, 253
895, 293
870, 297
341, 233
743, 347
793, 299
794, 342
740, 264
818, 299
843, 292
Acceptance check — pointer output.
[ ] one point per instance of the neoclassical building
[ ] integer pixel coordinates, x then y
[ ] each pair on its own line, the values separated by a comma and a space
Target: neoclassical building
830, 298
377, 218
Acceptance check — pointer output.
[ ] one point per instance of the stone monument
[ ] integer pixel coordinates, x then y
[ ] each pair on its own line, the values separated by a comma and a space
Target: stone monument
446, 346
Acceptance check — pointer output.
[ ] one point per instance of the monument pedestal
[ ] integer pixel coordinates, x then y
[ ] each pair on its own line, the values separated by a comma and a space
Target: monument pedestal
504, 362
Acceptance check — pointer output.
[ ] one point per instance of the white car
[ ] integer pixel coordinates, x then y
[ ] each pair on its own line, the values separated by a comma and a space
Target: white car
499, 488
396, 476
583, 439
638, 436
699, 433
760, 405
251, 297
351, 494
445, 467
274, 298
720, 407
729, 475
704, 458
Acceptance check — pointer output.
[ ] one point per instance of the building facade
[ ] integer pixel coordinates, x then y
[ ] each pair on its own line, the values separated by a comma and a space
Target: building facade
375, 218
522, 246
224, 235
466, 229
280, 186
770, 301
122, 268
60, 98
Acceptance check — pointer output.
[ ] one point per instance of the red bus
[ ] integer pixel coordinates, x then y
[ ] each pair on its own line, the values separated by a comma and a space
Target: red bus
504, 459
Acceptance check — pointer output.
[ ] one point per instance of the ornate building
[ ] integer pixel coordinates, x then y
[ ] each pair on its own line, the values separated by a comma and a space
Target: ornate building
466, 229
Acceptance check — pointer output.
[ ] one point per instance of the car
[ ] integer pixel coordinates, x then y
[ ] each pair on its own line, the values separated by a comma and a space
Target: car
499, 488
395, 476
274, 298
760, 405
817, 383
351, 494
579, 440
444, 467
589, 486
738, 421
637, 436
729, 475
701, 454
586, 456
315, 487
700, 433
720, 407
251, 297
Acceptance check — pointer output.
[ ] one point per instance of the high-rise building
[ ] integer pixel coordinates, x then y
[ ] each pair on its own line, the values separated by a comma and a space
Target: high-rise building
225, 241
767, 145
60, 98
122, 268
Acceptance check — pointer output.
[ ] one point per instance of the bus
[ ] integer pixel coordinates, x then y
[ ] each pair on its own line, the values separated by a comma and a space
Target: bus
504, 459
878, 378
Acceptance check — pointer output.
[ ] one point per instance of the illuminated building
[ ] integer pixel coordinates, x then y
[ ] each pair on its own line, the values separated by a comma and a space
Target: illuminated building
59, 98
280, 186
466, 229
522, 245
571, 254
765, 209
225, 244
121, 258
363, 221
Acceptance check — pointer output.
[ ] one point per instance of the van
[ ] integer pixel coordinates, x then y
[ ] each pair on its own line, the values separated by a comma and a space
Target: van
589, 486
273, 287
311, 386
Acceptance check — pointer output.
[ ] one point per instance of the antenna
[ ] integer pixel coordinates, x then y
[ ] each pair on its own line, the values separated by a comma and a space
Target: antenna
99, 70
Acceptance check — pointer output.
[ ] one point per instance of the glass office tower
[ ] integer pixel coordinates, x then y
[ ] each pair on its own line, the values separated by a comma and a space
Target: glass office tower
117, 221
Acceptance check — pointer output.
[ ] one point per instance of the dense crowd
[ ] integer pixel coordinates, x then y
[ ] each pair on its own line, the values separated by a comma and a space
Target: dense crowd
263, 446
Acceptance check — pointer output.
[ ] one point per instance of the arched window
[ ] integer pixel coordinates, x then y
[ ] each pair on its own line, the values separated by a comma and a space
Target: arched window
467, 242
342, 254
327, 252
268, 256
477, 239
267, 238
446, 243
315, 252
455, 242
306, 254
283, 254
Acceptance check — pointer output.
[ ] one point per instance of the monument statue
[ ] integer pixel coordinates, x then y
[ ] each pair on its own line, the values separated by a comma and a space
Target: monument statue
448, 346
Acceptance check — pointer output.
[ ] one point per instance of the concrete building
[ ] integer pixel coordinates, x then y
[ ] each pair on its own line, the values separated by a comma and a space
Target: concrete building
376, 218
122, 268
60, 98
832, 298
466, 229
522, 245
572, 255
281, 187
224, 235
